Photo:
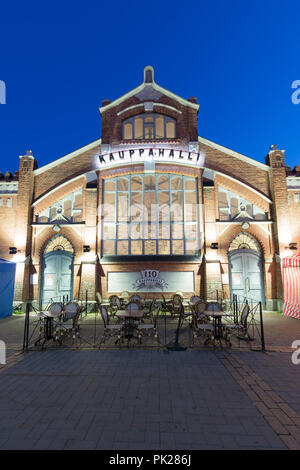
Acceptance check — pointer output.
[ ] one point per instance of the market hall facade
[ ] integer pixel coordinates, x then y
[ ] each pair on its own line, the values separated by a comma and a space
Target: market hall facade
150, 207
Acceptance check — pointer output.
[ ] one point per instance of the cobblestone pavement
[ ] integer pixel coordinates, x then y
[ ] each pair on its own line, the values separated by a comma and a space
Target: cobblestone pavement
132, 399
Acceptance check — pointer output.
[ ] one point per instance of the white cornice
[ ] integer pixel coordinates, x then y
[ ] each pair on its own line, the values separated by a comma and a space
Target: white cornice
156, 87
253, 162
67, 157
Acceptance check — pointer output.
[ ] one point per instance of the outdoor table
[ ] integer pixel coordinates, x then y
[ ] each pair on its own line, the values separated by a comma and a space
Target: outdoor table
217, 317
48, 325
130, 317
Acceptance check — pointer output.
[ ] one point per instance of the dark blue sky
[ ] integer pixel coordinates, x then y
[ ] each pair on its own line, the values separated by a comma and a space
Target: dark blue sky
59, 60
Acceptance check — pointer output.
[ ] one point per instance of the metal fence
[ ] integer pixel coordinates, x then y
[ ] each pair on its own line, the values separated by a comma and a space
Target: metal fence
173, 331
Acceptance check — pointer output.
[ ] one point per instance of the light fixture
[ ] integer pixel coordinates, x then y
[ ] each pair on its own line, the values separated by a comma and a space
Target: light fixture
12, 250
214, 246
292, 246
86, 248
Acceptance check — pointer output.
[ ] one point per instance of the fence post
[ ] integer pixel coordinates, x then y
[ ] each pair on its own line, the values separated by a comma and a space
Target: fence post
263, 348
26, 328
86, 302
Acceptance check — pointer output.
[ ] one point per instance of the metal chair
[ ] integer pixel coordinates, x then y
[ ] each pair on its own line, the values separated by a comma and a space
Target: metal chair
70, 325
110, 330
114, 305
241, 325
149, 329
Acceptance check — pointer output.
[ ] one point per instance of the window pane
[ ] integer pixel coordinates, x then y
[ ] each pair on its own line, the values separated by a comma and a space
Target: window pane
136, 231
138, 128
150, 247
150, 231
136, 207
122, 248
149, 133
136, 183
164, 247
234, 206
159, 128
78, 201
149, 183
170, 126
177, 247
109, 185
190, 185
163, 206
177, 231
150, 206
163, 182
108, 247
128, 130
191, 231
68, 208
109, 207
123, 184
164, 230
190, 207
122, 231
177, 203
122, 206
176, 183
136, 247
109, 231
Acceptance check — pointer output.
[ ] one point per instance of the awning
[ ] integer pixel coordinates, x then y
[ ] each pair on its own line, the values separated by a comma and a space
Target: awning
291, 286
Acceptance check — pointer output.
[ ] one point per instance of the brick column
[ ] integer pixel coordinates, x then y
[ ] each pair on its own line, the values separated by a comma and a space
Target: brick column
279, 209
23, 226
88, 265
213, 280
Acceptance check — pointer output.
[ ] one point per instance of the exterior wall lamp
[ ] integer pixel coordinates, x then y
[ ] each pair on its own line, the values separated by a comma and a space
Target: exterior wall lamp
214, 246
86, 248
12, 250
293, 246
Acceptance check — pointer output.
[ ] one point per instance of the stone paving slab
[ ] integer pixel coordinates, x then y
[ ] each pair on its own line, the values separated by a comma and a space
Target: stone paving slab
129, 399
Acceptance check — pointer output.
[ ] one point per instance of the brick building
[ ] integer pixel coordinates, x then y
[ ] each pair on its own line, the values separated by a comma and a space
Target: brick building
150, 207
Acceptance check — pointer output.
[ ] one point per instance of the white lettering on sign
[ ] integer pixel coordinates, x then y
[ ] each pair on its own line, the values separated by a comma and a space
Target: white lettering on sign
151, 154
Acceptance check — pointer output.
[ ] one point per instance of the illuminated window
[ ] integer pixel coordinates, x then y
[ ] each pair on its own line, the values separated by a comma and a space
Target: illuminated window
296, 197
234, 207
154, 214
149, 126
66, 210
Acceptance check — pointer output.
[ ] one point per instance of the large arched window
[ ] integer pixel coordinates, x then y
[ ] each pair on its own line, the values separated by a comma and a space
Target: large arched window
150, 214
149, 126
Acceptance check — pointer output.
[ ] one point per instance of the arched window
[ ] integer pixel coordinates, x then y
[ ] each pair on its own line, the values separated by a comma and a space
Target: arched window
244, 241
150, 214
149, 126
58, 243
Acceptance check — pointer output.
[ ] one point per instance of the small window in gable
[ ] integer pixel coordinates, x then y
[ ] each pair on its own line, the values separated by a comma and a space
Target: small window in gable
149, 127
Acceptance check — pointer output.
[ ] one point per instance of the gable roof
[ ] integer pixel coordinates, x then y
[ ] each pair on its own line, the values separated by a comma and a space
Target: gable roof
149, 91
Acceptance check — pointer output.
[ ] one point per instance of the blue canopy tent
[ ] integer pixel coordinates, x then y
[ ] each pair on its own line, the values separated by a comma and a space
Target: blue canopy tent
7, 285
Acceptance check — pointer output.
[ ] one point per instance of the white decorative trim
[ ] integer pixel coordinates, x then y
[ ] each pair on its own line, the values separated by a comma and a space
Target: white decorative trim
168, 107
140, 88
233, 153
9, 187
246, 186
130, 107
67, 157
58, 187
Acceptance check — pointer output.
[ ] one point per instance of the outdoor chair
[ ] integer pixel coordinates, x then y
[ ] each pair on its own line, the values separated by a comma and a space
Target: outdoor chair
149, 329
198, 308
241, 327
70, 325
148, 313
124, 297
114, 305
194, 299
110, 331
136, 298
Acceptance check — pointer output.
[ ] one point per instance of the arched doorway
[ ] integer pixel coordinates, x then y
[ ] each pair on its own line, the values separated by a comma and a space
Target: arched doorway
246, 268
57, 270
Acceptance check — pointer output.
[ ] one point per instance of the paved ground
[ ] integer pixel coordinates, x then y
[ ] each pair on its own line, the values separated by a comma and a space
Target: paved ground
144, 399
